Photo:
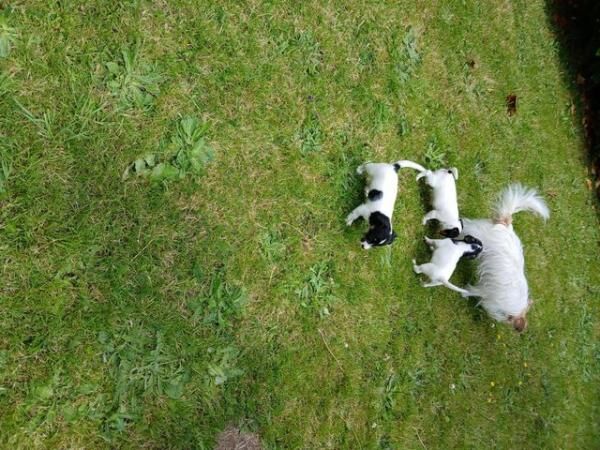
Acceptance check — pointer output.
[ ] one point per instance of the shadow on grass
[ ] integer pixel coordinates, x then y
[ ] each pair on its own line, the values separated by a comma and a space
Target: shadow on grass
576, 24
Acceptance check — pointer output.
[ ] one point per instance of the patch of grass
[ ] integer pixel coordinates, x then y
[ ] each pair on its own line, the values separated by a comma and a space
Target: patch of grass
435, 156
141, 365
219, 305
316, 292
186, 152
8, 34
272, 245
133, 82
310, 134
5, 169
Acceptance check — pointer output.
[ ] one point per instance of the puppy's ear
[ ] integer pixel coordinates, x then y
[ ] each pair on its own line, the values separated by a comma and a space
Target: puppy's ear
450, 232
454, 172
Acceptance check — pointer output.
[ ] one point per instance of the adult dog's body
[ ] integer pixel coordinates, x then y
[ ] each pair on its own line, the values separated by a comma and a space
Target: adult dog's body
446, 254
444, 198
380, 192
502, 285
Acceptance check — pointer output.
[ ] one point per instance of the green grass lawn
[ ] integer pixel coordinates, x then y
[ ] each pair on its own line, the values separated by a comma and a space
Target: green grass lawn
173, 187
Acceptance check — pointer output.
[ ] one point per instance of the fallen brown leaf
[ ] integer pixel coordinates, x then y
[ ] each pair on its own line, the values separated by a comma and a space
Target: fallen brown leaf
511, 104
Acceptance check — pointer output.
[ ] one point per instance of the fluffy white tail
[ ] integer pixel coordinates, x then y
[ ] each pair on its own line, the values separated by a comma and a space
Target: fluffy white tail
405, 164
517, 198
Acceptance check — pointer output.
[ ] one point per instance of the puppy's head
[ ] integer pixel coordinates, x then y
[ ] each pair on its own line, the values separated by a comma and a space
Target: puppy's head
380, 231
518, 323
476, 247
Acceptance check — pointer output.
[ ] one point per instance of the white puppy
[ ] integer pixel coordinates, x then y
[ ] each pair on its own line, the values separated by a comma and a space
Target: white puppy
502, 285
381, 190
444, 200
446, 254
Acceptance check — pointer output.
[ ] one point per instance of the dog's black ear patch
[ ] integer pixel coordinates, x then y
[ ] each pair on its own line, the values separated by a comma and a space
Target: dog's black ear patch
476, 249
450, 232
468, 239
375, 194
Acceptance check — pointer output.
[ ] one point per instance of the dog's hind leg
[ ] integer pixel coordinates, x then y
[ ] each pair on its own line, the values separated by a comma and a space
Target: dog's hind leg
432, 243
416, 267
426, 268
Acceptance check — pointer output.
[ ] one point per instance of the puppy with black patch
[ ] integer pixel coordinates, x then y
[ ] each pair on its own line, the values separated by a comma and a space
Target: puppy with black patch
446, 254
380, 191
444, 199
502, 286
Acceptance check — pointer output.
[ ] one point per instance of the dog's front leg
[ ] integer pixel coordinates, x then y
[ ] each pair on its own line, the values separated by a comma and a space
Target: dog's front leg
360, 211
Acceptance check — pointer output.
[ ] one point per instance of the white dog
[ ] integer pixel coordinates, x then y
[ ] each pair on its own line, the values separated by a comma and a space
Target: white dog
380, 191
502, 285
446, 254
445, 204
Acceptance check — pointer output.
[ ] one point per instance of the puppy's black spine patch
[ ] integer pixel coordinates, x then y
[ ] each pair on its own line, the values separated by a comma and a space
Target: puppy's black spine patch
397, 167
375, 194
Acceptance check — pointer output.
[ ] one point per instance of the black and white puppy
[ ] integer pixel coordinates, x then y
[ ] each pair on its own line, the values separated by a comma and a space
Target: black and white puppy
444, 199
380, 191
446, 254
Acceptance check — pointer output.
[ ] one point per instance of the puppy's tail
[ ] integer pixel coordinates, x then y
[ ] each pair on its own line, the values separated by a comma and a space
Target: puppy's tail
405, 164
449, 285
516, 198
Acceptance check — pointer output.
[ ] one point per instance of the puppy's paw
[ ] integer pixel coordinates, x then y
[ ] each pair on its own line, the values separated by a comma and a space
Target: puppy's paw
416, 268
349, 221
